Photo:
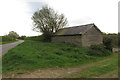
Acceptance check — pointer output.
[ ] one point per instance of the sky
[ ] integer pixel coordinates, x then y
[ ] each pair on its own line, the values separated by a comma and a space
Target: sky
16, 14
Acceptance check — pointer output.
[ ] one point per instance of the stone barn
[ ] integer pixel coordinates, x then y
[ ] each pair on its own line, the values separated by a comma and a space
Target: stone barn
84, 35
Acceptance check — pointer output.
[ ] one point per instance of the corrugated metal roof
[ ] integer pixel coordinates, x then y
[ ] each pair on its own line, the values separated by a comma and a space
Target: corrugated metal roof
74, 30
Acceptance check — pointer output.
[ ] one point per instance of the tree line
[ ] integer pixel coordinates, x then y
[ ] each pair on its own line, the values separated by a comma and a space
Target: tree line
10, 37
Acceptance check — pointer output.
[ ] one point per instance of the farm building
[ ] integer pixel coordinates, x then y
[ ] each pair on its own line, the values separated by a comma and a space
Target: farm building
84, 35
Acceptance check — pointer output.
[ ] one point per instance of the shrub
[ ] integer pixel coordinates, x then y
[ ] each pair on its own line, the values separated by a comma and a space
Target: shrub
118, 39
6, 38
12, 36
98, 50
46, 37
0, 38
107, 41
114, 38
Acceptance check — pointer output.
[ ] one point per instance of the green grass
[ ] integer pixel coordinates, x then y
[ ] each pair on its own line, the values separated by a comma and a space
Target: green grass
102, 68
119, 65
6, 42
32, 55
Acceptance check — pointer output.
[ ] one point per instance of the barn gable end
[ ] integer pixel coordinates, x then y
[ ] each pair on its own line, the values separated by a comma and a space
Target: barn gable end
92, 37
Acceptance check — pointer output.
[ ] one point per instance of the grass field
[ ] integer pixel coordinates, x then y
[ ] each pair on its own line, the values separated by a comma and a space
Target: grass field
119, 65
33, 55
108, 68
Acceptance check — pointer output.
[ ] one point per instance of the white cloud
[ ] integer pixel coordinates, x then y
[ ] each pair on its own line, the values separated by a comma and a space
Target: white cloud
16, 14
103, 13
14, 17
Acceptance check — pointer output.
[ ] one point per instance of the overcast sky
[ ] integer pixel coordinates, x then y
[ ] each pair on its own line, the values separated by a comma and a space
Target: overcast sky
16, 14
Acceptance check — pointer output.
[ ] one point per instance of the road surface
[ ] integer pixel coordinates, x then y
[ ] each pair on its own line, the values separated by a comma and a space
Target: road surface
4, 48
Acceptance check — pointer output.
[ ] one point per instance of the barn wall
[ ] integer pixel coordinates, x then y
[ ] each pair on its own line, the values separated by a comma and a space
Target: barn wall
92, 37
68, 39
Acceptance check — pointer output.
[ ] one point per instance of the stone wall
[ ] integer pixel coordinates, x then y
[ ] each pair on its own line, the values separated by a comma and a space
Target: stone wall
92, 37
116, 50
68, 39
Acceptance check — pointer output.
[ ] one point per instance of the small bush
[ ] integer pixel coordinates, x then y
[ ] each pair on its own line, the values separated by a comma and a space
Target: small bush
107, 41
98, 50
46, 37
0, 38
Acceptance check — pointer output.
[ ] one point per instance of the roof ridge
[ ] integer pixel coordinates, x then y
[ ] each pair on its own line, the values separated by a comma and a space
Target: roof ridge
78, 26
81, 29
87, 24
88, 29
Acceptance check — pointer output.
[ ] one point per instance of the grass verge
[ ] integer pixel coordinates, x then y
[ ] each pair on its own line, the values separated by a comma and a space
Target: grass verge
104, 69
33, 55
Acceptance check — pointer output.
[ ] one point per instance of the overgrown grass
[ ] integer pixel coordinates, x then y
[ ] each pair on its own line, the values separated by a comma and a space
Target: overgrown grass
102, 68
119, 65
32, 55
